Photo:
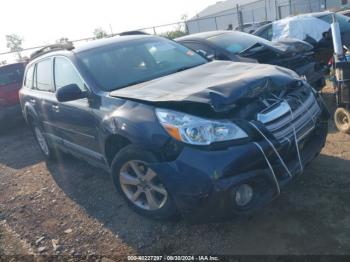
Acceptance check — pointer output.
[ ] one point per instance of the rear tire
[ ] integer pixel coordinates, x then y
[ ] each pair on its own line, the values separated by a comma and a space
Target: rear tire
342, 120
44, 146
140, 185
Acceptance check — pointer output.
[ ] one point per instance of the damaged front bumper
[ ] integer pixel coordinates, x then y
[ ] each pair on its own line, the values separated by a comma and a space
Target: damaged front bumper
203, 184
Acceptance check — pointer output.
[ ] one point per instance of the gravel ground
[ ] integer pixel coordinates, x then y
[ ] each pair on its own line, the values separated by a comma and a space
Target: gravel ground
70, 208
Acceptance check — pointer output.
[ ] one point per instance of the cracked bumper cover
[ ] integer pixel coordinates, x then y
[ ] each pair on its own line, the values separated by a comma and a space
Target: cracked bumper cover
203, 183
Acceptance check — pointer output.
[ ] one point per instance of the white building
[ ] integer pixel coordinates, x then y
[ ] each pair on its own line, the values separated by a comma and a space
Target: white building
230, 13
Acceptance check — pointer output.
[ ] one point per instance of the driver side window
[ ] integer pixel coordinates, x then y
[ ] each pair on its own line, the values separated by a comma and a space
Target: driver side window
66, 74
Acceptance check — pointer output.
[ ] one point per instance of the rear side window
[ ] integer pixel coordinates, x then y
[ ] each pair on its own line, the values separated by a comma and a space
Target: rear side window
44, 76
66, 74
29, 78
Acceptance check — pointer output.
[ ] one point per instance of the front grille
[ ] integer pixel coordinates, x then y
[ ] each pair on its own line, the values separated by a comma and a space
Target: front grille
305, 116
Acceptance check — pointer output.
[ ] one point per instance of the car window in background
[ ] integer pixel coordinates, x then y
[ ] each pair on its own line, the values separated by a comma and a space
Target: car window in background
236, 42
265, 32
66, 74
29, 77
44, 76
10, 75
122, 65
198, 46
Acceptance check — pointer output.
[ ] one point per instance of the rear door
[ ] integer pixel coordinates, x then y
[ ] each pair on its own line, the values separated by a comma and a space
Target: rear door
43, 96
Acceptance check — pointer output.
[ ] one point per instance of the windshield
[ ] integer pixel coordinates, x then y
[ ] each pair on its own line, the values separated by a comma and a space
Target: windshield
236, 42
131, 62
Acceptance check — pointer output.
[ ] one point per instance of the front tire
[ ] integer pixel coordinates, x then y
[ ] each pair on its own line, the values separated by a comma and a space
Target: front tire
140, 185
342, 120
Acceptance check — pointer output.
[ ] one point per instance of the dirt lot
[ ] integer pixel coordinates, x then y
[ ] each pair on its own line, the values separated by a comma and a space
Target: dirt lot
69, 207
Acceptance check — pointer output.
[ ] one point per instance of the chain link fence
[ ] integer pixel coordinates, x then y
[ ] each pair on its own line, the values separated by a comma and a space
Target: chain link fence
257, 13
251, 15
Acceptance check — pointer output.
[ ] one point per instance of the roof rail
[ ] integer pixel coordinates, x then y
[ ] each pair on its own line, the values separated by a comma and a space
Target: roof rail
135, 32
51, 48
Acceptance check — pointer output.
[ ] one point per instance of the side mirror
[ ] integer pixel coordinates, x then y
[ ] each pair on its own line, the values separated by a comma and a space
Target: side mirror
69, 93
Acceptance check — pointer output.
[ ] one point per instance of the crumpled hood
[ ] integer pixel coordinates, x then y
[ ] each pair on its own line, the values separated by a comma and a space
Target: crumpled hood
294, 45
219, 84
285, 46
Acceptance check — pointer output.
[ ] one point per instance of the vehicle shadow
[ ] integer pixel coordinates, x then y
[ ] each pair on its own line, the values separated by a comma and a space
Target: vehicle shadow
303, 220
14, 138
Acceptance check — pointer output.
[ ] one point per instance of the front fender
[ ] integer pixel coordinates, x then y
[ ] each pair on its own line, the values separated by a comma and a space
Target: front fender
138, 123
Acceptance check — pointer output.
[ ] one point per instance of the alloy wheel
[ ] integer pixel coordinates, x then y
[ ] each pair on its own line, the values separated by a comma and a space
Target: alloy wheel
343, 119
142, 186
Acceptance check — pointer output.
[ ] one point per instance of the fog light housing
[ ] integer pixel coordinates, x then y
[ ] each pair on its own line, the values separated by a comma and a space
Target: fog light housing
244, 194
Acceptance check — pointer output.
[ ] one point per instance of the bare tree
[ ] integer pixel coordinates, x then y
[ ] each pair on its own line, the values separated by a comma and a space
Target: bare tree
14, 42
100, 33
63, 40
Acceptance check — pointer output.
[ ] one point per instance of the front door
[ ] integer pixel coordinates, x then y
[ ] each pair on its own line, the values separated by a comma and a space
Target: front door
74, 120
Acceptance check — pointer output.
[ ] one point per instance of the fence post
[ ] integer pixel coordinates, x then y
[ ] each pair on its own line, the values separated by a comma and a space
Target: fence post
186, 28
266, 11
276, 10
290, 7
216, 23
154, 30
239, 18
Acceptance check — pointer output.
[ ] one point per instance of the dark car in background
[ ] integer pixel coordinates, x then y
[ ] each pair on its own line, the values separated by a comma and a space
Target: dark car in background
177, 133
234, 45
250, 27
324, 46
11, 77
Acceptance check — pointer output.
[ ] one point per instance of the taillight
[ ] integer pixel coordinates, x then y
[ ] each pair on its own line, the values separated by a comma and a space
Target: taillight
330, 62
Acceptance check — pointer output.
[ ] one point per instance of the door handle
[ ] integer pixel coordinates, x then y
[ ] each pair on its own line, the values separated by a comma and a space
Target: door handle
55, 108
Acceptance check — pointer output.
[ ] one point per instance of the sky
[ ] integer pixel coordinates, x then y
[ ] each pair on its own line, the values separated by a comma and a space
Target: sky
42, 22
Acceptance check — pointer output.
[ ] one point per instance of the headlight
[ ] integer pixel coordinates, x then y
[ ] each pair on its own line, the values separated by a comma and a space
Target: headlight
197, 131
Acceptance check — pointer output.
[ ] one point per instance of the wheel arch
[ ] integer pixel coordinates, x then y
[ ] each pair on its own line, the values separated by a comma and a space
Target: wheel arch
113, 144
29, 114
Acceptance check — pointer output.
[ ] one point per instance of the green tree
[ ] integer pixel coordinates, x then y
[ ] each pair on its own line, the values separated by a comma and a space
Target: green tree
174, 34
180, 30
14, 42
100, 33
